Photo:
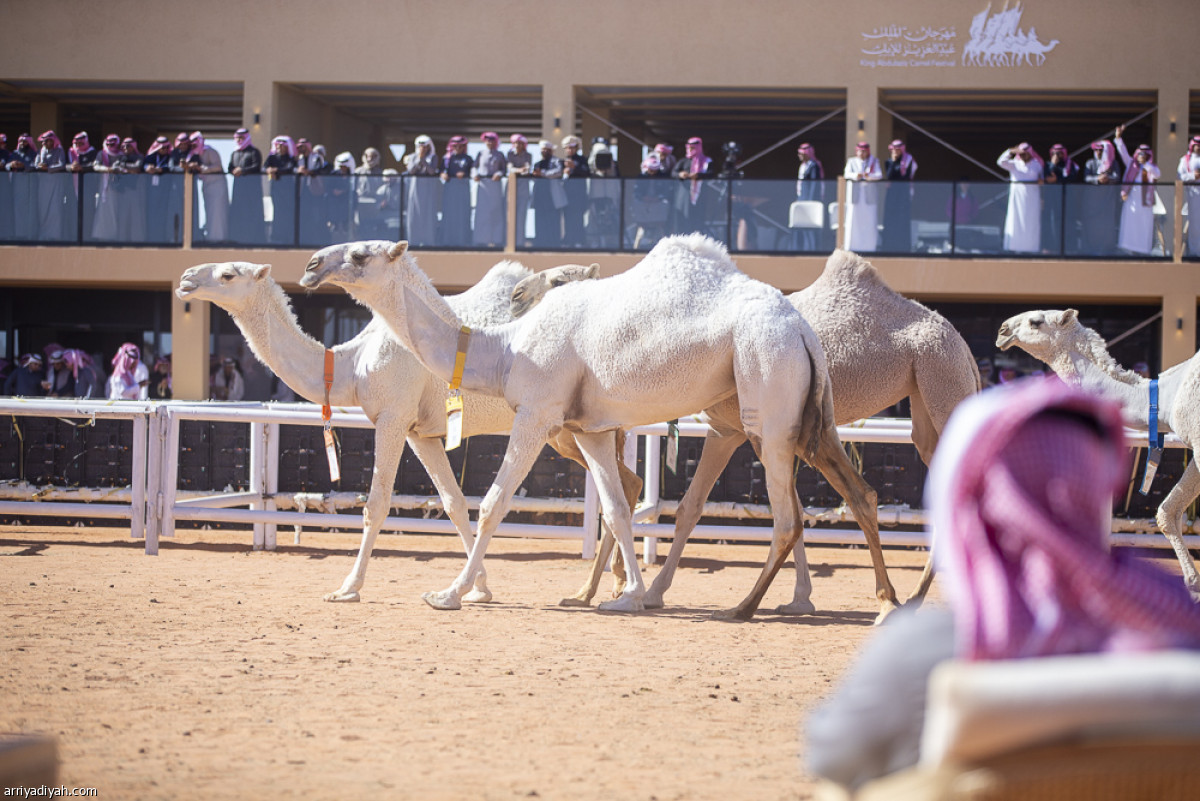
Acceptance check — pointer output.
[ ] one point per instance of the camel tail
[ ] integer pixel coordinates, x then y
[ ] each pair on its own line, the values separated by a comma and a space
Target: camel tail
817, 414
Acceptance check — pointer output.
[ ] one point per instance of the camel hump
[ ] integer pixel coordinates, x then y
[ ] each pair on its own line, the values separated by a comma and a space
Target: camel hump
846, 267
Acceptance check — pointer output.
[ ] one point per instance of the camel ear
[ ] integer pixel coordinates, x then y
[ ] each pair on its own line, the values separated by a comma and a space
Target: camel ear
593, 271
1067, 316
262, 271
397, 250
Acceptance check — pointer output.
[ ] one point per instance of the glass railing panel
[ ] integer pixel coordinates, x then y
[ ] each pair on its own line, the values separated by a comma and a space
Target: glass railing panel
1191, 212
376, 207
210, 210
45, 207
422, 210
337, 208
767, 217
977, 216
915, 217
489, 221
1092, 215
131, 208
313, 200
646, 210
700, 206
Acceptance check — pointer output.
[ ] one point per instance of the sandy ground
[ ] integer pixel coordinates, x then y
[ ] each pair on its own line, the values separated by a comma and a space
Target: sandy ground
211, 671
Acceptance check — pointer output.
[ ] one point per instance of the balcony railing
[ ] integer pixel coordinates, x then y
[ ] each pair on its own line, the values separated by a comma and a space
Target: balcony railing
770, 216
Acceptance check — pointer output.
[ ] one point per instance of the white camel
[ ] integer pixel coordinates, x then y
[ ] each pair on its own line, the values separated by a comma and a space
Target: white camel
372, 370
1079, 356
682, 331
880, 347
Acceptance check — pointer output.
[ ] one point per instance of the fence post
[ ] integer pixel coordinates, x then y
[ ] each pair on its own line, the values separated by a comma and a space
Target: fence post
650, 487
138, 484
170, 474
258, 478
272, 479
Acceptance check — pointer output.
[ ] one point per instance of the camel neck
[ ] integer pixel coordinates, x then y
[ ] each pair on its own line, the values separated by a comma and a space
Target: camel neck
276, 339
427, 326
1078, 369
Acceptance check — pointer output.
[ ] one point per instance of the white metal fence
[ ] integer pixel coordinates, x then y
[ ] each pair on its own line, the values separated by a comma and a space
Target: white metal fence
152, 503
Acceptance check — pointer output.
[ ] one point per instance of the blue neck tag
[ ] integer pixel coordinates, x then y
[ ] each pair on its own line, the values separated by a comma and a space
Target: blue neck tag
1156, 439
1154, 455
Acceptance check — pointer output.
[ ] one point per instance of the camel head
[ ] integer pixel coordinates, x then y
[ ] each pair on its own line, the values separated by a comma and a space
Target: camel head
1041, 333
353, 265
529, 291
228, 284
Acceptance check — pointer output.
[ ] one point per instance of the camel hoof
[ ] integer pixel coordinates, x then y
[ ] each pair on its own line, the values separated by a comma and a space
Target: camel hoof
445, 599
884, 611
625, 603
737, 613
796, 608
575, 601
479, 595
652, 602
343, 597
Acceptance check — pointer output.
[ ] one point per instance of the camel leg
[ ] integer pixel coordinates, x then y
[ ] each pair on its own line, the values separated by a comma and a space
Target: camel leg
788, 527
716, 454
600, 451
389, 447
925, 434
1170, 520
833, 463
631, 484
524, 445
432, 455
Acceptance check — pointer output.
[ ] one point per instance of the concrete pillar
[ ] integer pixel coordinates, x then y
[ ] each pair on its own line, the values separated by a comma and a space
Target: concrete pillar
558, 112
862, 105
1178, 328
1173, 107
190, 327
43, 116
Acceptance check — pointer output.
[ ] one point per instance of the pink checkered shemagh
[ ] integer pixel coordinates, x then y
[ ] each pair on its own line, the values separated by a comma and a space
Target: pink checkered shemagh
1018, 494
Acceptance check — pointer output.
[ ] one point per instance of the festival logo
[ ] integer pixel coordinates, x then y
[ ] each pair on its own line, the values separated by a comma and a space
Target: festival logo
994, 40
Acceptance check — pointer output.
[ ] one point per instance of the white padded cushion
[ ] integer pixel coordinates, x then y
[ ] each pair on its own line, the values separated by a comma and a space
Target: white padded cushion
977, 710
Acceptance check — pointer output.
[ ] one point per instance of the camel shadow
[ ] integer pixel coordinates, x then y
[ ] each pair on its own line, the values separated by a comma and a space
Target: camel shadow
694, 614
29, 549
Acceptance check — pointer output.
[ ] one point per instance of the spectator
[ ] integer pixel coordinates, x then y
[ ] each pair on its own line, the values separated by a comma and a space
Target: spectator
130, 380
1189, 173
1100, 207
575, 167
71, 375
456, 195
164, 193
280, 167
1019, 493
547, 197
490, 168
666, 157
899, 171
810, 186
131, 193
389, 196
52, 190
366, 195
180, 153
205, 162
520, 163
604, 197
228, 384
1060, 214
26, 380
81, 159
24, 189
160, 378
106, 163
424, 189
1142, 369
6, 192
340, 206
986, 372
247, 225
691, 213
1137, 197
1023, 224
311, 165
862, 200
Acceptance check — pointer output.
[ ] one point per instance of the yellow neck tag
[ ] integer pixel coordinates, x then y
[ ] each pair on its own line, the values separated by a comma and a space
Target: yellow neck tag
460, 357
